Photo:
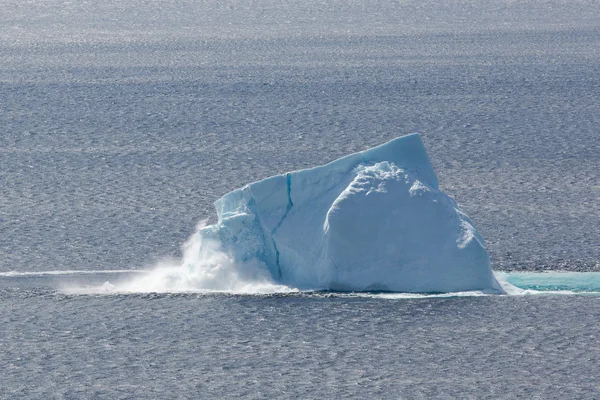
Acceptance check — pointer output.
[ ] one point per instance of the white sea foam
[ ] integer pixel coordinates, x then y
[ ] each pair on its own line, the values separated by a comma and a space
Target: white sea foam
204, 267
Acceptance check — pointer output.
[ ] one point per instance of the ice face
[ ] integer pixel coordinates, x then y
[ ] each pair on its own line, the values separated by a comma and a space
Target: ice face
373, 220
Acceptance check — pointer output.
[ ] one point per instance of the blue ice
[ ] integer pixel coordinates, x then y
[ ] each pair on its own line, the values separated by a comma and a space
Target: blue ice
371, 221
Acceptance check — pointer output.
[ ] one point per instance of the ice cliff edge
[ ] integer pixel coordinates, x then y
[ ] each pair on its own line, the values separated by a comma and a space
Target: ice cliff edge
373, 220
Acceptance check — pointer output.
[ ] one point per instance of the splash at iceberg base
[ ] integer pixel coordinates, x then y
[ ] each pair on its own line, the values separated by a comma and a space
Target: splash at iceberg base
371, 221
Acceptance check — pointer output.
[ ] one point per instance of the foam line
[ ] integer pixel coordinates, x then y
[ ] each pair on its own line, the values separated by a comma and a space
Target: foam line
12, 274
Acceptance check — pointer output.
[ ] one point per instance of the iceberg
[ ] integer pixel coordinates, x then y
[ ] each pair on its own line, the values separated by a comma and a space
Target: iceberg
370, 221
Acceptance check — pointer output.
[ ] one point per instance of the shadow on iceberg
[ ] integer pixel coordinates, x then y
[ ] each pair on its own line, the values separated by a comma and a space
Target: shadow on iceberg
371, 221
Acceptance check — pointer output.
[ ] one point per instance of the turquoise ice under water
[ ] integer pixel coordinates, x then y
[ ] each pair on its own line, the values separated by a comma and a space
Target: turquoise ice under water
576, 282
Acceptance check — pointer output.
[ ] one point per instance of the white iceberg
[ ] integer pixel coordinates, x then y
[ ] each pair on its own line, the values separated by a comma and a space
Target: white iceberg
371, 221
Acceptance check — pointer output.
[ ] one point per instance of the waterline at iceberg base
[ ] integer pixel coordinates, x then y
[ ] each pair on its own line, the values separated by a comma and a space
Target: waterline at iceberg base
371, 221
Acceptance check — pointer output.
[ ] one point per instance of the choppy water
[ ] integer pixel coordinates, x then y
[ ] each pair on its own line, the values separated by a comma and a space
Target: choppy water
121, 123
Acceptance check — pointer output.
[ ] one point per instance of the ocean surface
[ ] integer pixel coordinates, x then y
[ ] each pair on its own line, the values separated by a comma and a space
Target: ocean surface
122, 122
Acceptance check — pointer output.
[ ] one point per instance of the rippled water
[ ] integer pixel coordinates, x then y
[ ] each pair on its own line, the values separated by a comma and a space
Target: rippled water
121, 123
295, 345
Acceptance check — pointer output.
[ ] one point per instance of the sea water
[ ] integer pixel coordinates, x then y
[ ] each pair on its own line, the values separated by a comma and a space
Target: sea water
122, 122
